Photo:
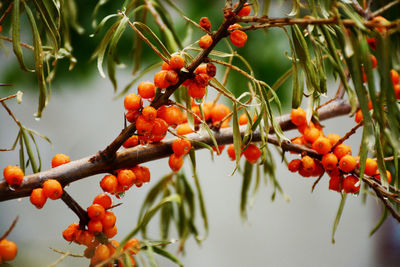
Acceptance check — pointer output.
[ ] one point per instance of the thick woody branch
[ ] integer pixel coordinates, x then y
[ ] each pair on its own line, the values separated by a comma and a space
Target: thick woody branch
85, 167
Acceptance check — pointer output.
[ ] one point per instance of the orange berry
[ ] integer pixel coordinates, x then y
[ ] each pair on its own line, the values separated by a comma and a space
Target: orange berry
59, 159
143, 125
205, 23
149, 113
102, 252
96, 212
372, 43
160, 79
388, 175
333, 138
329, 161
397, 91
126, 178
69, 234
298, 140
231, 152
347, 163
131, 141
132, 115
13, 175
218, 112
171, 115
196, 90
374, 62
111, 232
294, 165
205, 41
95, 226
181, 146
319, 169
244, 11
371, 166
395, 76
103, 200
165, 66
142, 174
304, 126
175, 162
311, 134
359, 116
382, 22
308, 164
159, 130
342, 150
322, 145
8, 250
201, 79
132, 246
220, 149
202, 68
108, 220
52, 189
351, 184
238, 38
336, 183
172, 77
109, 183
133, 102
252, 153
112, 246
243, 120
184, 129
38, 198
146, 89
176, 62
298, 116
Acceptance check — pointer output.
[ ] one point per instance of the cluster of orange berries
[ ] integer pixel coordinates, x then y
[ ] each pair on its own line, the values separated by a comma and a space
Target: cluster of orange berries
8, 250
337, 160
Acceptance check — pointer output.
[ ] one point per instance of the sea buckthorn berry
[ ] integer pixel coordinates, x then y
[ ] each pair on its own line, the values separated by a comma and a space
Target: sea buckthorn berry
294, 165
95, 226
131, 141
319, 169
96, 212
333, 138
132, 115
149, 113
382, 23
13, 175
175, 162
181, 146
211, 69
395, 77
142, 174
89, 252
201, 79
202, 68
176, 62
336, 183
372, 43
388, 176
359, 116
374, 62
205, 23
342, 150
126, 178
238, 38
172, 77
347, 163
304, 126
52, 189
205, 41
59, 159
184, 129
231, 152
143, 125
69, 234
371, 166
252, 153
304, 172
132, 246
38, 198
8, 250
146, 89
109, 183
103, 200
159, 130
244, 11
243, 120
298, 116
218, 112
298, 140
351, 184
111, 232
311, 134
308, 164
196, 90
165, 66
88, 239
108, 220
160, 79
112, 246
133, 102
171, 115
102, 252
397, 91
322, 145
329, 161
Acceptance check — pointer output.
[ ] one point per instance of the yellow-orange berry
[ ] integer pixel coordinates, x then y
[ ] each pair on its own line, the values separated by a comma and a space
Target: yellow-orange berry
329, 161
342, 150
205, 23
160, 79
102, 252
244, 11
196, 90
69, 234
218, 112
132, 246
59, 159
111, 232
238, 38
252, 153
133, 102
131, 141
359, 116
181, 146
8, 250
149, 113
175, 162
205, 41
109, 183
371, 166
311, 134
104, 200
13, 175
108, 220
126, 177
38, 198
294, 165
333, 138
176, 62
298, 116
52, 189
96, 212
95, 226
322, 145
308, 164
347, 163
146, 89
351, 184
184, 129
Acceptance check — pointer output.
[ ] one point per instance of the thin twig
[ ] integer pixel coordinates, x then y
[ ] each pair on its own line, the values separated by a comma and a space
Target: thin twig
196, 24
384, 8
5, 38
347, 135
8, 10
76, 208
316, 182
67, 252
8, 97
9, 229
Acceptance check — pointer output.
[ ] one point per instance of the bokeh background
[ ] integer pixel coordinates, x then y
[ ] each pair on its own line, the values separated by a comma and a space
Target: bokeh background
83, 116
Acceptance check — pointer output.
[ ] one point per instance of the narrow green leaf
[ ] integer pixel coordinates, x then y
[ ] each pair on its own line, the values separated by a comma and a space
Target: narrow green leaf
295, 8
282, 79
247, 175
255, 6
380, 222
167, 255
266, 7
150, 254
29, 150
47, 10
21, 152
338, 216
37, 151
353, 16
15, 24
237, 139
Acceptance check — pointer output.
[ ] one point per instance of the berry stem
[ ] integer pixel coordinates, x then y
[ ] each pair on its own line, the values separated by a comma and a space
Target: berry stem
76, 208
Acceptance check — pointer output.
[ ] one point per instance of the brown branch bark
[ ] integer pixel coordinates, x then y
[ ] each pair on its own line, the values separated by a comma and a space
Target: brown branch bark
85, 167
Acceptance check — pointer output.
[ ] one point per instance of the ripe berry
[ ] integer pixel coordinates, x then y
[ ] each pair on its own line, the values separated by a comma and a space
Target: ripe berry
196, 90
132, 246
109, 183
371, 166
181, 146
146, 89
351, 184
333, 138
126, 178
311, 134
342, 150
395, 77
132, 115
336, 183
52, 189
8, 250
102, 252
38, 198
397, 91
131, 141
238, 38
13, 175
308, 164
184, 129
322, 145
59, 159
175, 162
298, 117
171, 115
172, 77
374, 62
69, 234
388, 176
252, 153
159, 130
95, 226
205, 23
329, 161
165, 66
294, 165
143, 125
244, 11
149, 113
133, 102
231, 152
104, 200
176, 62
359, 116
108, 220
160, 79
205, 41
202, 68
243, 120
347, 163
218, 112
96, 212
111, 232
142, 174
